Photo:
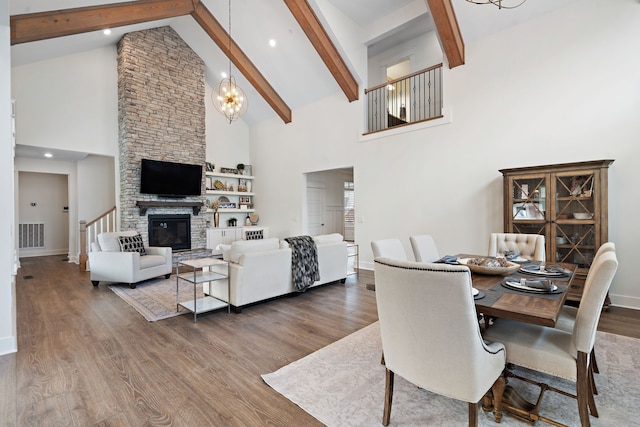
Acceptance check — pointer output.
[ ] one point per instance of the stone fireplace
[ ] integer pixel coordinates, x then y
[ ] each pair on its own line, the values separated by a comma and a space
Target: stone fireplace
161, 115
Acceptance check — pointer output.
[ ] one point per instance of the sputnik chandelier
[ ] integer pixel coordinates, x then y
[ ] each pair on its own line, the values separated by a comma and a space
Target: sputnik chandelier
228, 98
502, 4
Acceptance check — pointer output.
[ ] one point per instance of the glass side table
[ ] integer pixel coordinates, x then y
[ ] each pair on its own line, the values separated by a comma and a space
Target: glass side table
202, 270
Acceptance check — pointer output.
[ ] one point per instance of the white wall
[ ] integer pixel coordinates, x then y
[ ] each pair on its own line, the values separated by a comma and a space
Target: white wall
8, 335
96, 186
560, 88
321, 136
69, 102
423, 52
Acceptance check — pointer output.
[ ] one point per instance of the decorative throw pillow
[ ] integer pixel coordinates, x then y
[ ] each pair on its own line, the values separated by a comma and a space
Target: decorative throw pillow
132, 244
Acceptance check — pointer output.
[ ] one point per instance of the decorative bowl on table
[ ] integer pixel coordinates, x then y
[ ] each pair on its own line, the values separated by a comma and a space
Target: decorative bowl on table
489, 266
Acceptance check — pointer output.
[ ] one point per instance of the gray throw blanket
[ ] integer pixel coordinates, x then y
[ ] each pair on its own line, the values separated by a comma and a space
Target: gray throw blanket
304, 261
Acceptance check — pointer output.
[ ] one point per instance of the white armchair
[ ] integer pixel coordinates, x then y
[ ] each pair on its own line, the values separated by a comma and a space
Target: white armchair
107, 262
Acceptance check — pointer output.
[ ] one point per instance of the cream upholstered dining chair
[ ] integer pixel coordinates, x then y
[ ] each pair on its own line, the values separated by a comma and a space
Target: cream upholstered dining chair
568, 314
528, 246
424, 248
430, 333
388, 248
557, 352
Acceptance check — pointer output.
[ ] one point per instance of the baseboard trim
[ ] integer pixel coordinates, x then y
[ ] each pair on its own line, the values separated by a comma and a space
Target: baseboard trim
8, 345
624, 301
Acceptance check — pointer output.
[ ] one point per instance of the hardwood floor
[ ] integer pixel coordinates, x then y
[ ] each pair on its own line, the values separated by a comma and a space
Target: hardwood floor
86, 358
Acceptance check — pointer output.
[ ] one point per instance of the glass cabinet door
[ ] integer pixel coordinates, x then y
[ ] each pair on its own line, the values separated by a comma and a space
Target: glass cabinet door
574, 224
529, 204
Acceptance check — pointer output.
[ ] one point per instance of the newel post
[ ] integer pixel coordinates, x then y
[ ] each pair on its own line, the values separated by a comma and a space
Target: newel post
83, 245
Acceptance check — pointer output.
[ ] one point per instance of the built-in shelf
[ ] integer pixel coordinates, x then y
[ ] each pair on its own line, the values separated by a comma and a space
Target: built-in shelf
143, 205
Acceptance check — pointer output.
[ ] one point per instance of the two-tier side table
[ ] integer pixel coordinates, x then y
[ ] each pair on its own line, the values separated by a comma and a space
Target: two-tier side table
202, 270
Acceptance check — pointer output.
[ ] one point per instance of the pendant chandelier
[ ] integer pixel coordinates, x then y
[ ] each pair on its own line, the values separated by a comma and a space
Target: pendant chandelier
228, 98
502, 4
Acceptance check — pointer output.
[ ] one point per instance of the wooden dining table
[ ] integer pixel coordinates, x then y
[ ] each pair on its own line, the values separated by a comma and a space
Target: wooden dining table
537, 308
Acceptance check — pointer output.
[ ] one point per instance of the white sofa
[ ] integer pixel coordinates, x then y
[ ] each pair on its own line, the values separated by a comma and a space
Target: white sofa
261, 269
108, 263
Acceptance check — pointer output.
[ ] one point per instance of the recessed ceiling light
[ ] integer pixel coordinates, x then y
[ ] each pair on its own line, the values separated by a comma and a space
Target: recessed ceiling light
48, 155
272, 43
224, 75
107, 32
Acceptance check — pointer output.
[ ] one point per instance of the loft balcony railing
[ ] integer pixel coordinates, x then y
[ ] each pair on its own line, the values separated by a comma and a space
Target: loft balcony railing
410, 99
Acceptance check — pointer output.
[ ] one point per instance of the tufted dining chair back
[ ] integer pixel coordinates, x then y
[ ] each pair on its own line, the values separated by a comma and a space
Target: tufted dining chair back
430, 332
529, 246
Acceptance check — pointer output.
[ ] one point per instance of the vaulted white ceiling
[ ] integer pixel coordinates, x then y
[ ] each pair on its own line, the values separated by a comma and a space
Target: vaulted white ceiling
379, 23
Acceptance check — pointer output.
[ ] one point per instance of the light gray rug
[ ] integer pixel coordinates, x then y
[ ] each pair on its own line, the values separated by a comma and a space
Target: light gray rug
155, 299
343, 385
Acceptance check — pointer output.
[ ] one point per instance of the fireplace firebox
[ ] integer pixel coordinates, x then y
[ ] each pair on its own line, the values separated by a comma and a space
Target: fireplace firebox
171, 231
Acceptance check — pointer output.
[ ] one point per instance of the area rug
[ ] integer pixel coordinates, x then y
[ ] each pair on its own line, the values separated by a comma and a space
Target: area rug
343, 385
155, 299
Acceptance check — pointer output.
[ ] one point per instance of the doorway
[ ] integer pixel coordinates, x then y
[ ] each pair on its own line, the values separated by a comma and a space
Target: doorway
326, 203
43, 214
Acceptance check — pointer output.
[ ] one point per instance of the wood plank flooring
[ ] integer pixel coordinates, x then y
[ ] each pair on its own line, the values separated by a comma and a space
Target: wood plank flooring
86, 358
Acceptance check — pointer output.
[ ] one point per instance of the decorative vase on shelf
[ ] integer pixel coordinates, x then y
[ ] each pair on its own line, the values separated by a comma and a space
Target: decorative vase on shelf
216, 219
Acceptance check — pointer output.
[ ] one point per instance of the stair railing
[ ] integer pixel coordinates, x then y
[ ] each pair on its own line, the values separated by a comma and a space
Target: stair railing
89, 233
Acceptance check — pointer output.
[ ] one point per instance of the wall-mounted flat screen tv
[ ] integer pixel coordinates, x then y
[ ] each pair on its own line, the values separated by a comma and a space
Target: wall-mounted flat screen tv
168, 179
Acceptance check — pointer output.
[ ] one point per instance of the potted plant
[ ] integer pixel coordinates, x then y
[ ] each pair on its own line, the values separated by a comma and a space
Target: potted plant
240, 168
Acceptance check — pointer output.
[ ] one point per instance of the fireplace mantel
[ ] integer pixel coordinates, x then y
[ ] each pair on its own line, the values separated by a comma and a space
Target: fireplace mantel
145, 204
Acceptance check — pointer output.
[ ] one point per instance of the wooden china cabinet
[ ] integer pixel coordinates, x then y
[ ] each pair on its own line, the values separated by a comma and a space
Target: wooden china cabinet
568, 204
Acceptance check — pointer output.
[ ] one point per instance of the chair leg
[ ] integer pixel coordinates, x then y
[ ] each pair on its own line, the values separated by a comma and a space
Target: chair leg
388, 398
592, 380
497, 389
473, 414
583, 390
592, 384
95, 282
593, 361
132, 285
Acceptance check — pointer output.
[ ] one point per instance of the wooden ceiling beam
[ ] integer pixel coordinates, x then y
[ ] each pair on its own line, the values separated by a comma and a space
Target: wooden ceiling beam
220, 36
320, 40
448, 30
46, 25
